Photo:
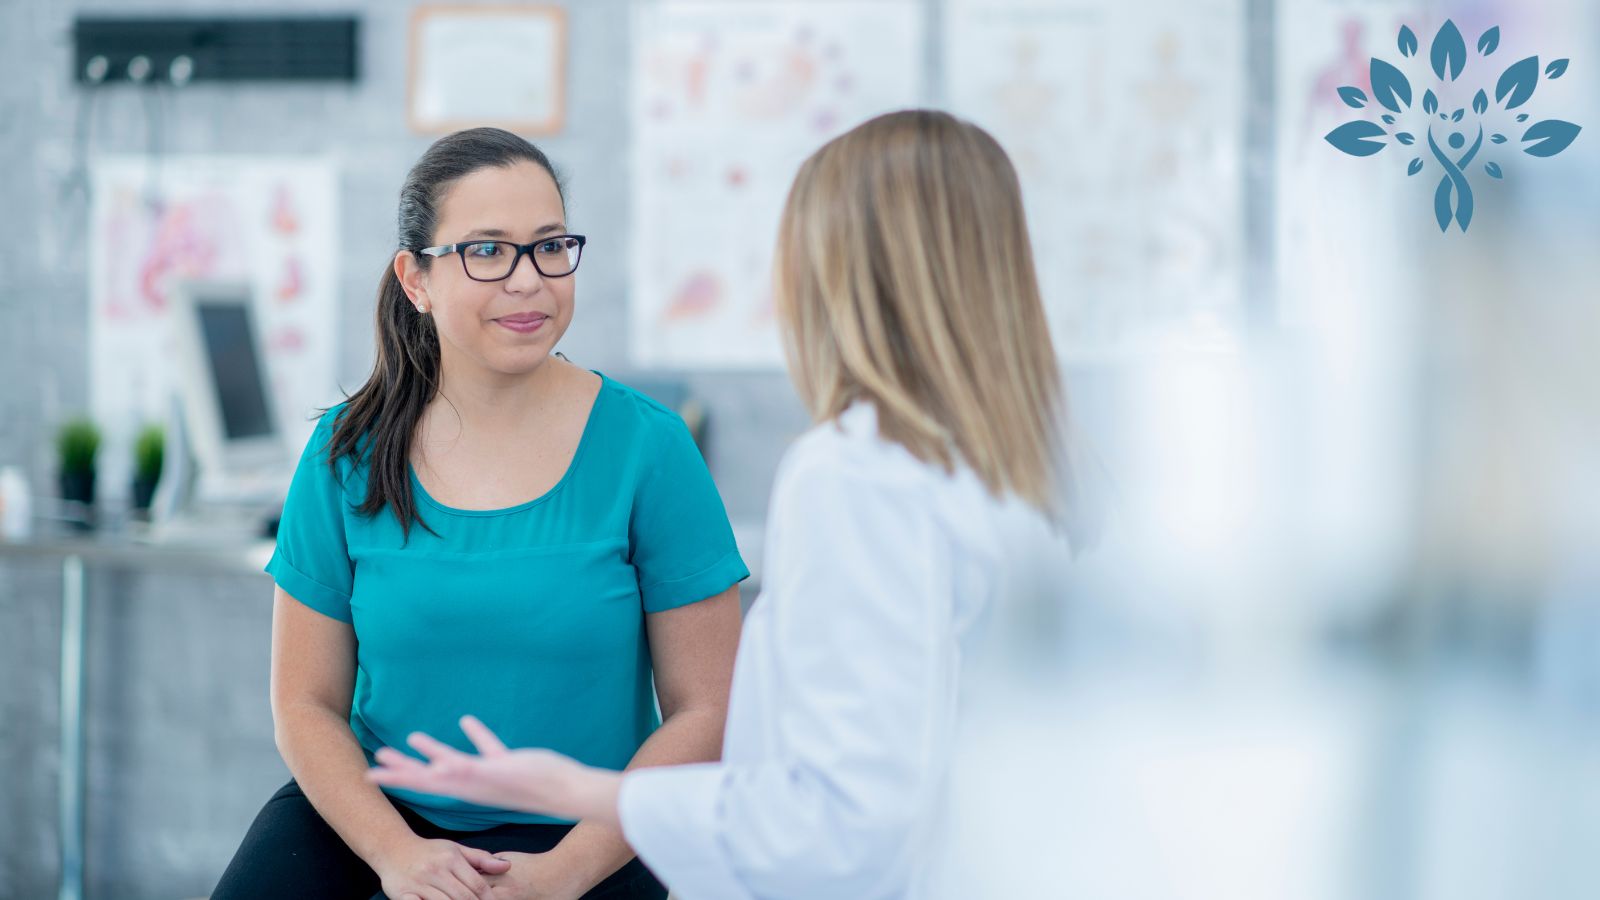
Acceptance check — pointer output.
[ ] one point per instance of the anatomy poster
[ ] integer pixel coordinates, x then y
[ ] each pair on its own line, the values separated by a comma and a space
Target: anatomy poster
1126, 124
729, 97
268, 222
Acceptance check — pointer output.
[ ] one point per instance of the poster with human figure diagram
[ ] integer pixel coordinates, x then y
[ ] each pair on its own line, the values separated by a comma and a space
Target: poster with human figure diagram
1126, 123
729, 97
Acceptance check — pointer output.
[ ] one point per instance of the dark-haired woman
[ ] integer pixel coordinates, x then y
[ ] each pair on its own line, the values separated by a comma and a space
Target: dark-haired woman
484, 525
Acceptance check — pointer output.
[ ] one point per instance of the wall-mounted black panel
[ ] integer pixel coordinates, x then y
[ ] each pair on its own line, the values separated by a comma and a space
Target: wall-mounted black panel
231, 48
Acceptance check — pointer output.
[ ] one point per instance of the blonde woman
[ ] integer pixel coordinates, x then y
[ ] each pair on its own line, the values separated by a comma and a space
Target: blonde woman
916, 338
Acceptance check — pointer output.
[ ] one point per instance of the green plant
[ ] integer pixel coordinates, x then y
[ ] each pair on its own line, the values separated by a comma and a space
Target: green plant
77, 443
148, 451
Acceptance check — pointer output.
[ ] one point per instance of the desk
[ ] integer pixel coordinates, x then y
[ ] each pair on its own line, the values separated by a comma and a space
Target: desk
77, 555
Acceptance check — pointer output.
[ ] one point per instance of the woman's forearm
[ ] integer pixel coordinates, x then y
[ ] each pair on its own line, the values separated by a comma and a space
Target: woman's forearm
326, 760
594, 849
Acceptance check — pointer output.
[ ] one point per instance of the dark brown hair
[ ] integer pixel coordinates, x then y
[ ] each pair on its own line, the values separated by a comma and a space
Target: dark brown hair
380, 419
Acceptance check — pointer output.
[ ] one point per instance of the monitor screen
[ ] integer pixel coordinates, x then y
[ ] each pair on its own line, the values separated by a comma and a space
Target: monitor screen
235, 370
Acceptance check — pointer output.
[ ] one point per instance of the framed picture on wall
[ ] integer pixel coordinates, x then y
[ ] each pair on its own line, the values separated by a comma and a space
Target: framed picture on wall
488, 65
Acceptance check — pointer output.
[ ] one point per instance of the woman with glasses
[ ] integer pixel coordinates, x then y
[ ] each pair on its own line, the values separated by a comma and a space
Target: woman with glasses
922, 498
484, 525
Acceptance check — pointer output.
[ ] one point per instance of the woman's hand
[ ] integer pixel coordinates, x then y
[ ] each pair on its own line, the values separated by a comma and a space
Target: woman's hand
534, 877
536, 781
437, 869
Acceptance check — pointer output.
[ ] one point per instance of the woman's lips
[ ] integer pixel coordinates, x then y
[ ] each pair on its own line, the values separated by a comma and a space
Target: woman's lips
523, 323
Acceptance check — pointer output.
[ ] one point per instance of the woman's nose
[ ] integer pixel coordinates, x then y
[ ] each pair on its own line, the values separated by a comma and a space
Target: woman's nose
524, 276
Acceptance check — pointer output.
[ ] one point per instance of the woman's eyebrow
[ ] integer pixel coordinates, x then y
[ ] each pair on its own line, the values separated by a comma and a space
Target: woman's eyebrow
502, 234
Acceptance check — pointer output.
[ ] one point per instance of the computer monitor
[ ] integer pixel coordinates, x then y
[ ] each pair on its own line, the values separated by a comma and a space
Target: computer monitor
225, 391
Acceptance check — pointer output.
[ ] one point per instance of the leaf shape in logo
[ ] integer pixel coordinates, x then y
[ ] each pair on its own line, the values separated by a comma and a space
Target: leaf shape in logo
1489, 41
1353, 97
1388, 119
1522, 118
1390, 87
1456, 116
1430, 103
1493, 169
1480, 103
1517, 83
1449, 51
1408, 42
1405, 137
1415, 167
1556, 69
1498, 138
1354, 138
1551, 136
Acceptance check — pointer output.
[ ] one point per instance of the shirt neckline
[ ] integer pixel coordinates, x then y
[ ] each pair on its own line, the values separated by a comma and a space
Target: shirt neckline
577, 456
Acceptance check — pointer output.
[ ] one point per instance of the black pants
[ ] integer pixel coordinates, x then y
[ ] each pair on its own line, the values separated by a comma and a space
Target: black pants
290, 851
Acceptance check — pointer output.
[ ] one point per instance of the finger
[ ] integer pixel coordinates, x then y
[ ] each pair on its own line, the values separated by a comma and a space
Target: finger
451, 886
486, 862
485, 740
432, 748
448, 888
436, 893
393, 778
394, 759
471, 880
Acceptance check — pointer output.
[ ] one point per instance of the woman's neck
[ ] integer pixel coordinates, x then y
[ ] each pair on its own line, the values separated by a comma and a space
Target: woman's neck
491, 403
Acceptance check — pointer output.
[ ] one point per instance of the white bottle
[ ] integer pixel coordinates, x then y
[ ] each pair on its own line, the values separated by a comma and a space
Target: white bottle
16, 513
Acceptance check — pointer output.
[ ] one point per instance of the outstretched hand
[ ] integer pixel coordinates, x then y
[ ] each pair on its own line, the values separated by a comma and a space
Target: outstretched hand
531, 780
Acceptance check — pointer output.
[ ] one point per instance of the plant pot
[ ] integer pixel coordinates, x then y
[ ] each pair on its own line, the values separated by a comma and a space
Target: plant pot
77, 489
144, 491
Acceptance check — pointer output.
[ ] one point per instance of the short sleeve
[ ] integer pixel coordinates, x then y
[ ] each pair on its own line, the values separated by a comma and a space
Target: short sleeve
680, 541
311, 562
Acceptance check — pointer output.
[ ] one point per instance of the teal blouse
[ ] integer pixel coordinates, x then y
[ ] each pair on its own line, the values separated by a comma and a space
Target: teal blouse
529, 617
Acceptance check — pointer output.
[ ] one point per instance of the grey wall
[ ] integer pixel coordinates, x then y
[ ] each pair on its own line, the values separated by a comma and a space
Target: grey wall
178, 741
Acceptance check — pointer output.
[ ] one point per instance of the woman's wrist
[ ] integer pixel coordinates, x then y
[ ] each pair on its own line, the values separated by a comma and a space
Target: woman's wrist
383, 851
593, 796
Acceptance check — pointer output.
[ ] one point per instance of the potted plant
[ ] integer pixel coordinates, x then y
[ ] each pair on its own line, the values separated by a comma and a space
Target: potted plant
77, 443
148, 451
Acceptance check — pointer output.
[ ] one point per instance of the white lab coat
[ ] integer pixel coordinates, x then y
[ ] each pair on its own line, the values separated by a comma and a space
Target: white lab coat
844, 703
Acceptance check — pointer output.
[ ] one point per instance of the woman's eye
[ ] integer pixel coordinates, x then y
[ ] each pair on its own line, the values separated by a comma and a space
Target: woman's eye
551, 247
484, 250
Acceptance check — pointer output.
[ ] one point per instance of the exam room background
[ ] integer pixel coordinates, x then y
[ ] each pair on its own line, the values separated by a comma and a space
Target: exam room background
1463, 386
179, 745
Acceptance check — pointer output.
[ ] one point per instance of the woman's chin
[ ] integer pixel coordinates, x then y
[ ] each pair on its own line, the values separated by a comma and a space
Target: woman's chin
516, 361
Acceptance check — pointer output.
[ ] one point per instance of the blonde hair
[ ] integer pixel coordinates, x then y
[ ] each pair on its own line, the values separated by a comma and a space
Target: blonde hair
904, 277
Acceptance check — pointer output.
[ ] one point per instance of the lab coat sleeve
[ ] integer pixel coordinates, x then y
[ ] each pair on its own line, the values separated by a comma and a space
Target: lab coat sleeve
864, 657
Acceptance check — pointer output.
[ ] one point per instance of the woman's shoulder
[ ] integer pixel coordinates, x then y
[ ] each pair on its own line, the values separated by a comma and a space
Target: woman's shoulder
850, 447
319, 448
636, 413
849, 459
329, 420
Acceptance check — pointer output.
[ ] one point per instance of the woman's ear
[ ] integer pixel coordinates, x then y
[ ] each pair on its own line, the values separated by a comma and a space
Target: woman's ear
411, 279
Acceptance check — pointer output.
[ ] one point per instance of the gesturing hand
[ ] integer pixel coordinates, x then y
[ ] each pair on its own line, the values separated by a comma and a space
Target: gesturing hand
531, 780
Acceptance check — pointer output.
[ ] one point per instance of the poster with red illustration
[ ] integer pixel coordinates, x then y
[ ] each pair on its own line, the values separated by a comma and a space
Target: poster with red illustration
728, 99
270, 223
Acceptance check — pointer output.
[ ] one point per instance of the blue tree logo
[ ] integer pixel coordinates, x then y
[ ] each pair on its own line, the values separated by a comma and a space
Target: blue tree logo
1448, 55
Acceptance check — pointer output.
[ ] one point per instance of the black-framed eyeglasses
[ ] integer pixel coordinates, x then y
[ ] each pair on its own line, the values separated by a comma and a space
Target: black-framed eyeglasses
553, 257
